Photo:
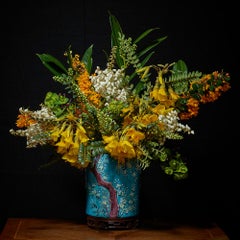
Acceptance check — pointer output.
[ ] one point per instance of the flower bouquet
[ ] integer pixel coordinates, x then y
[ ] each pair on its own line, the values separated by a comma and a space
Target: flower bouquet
130, 108
129, 113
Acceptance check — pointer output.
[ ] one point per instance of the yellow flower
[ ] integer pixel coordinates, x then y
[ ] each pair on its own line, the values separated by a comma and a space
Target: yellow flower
67, 132
74, 148
108, 139
62, 147
134, 135
55, 133
129, 109
68, 157
120, 149
174, 96
161, 109
148, 118
81, 134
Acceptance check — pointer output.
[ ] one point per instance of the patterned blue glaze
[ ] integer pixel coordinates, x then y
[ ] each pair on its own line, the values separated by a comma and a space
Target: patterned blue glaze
123, 180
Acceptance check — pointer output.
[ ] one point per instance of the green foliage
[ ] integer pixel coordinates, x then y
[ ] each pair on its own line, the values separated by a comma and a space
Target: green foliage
107, 125
174, 165
137, 58
52, 64
129, 110
57, 103
180, 78
88, 153
87, 58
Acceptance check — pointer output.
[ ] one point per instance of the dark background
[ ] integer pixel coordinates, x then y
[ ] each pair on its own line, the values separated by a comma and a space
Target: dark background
205, 36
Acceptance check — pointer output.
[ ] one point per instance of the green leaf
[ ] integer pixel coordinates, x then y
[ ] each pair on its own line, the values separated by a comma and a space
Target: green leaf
146, 59
52, 64
139, 87
180, 66
148, 48
115, 30
146, 33
87, 58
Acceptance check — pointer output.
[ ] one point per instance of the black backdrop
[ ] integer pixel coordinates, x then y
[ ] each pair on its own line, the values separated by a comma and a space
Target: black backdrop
205, 36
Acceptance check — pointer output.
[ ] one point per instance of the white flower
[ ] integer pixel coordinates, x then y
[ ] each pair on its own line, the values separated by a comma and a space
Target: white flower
109, 83
171, 123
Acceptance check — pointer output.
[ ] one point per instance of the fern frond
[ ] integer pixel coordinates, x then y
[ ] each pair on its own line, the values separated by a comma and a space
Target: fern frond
171, 135
107, 125
84, 156
88, 153
180, 81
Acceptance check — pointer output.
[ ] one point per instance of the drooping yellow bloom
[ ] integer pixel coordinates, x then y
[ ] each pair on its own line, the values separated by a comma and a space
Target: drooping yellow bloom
56, 131
68, 140
148, 118
159, 93
127, 121
174, 96
68, 157
63, 138
128, 109
55, 134
81, 134
67, 132
72, 154
61, 147
163, 95
161, 109
108, 139
143, 71
121, 150
71, 117
134, 135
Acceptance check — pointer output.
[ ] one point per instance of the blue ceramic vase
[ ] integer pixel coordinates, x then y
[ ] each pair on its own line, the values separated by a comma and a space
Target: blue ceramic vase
112, 193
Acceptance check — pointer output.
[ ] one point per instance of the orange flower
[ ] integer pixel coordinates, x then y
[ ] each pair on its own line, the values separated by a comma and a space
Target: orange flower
24, 120
193, 108
83, 80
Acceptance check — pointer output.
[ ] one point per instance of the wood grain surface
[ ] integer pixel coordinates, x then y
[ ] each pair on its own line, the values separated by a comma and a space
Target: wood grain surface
57, 229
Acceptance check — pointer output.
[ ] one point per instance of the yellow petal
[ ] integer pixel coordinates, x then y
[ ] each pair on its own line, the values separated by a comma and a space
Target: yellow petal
108, 139
81, 134
173, 95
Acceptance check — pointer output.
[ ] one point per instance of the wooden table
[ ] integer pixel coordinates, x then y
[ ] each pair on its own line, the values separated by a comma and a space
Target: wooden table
56, 229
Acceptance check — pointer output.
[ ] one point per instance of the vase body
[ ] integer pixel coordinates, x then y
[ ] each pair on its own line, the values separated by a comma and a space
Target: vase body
112, 193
